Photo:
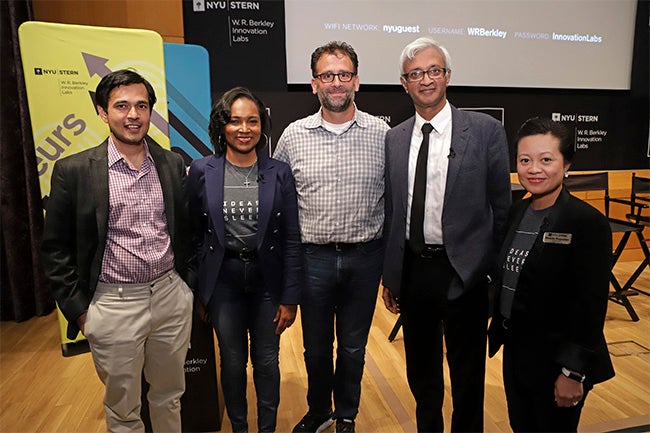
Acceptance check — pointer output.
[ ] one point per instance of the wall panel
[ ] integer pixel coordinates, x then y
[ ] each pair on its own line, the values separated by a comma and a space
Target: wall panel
162, 16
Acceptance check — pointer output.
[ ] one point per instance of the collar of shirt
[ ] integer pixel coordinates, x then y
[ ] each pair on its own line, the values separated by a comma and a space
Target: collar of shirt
440, 121
114, 155
317, 120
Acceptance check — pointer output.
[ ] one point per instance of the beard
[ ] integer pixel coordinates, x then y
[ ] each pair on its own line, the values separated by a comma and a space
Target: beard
334, 105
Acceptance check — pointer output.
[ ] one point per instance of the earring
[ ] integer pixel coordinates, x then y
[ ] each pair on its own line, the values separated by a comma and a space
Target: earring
566, 174
267, 142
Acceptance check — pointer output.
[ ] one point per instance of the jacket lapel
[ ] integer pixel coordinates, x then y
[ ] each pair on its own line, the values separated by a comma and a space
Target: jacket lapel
550, 223
459, 139
165, 176
98, 185
266, 194
214, 178
401, 160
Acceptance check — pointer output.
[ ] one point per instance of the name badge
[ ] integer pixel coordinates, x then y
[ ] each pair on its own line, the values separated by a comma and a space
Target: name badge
557, 238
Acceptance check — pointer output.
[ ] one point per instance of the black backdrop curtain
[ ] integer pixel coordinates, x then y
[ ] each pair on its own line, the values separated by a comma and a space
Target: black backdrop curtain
24, 290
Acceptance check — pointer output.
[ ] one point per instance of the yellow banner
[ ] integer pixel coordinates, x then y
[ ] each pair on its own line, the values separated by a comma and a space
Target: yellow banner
63, 65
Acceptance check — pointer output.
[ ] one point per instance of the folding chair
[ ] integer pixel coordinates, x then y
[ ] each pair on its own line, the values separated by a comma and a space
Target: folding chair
639, 204
600, 182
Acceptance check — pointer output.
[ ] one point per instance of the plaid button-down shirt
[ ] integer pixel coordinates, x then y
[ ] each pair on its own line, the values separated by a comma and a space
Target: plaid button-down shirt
339, 178
138, 246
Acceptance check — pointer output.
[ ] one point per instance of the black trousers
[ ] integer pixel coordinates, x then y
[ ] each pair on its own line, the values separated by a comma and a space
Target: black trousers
529, 376
427, 316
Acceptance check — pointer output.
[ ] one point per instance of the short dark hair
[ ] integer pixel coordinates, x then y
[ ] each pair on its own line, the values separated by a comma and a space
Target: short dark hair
334, 47
543, 126
122, 77
220, 116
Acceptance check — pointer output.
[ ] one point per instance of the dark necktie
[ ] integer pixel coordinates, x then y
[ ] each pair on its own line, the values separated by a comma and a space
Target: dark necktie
416, 230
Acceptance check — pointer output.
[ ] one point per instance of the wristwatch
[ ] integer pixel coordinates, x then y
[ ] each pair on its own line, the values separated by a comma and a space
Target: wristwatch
574, 376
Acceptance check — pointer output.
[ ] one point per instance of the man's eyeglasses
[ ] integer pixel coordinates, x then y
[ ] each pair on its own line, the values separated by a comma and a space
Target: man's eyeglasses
418, 75
328, 77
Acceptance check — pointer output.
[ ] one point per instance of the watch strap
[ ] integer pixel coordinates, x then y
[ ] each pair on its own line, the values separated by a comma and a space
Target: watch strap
574, 376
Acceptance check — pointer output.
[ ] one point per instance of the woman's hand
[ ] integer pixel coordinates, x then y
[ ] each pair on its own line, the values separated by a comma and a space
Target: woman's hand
568, 392
284, 317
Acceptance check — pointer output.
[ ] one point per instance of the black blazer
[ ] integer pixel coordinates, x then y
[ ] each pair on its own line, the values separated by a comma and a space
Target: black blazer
76, 223
278, 232
561, 296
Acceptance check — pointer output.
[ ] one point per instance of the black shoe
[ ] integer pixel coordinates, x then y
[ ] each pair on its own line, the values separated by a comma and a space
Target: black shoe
314, 423
344, 425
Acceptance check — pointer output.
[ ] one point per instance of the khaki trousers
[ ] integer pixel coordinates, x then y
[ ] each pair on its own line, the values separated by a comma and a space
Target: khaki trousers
133, 328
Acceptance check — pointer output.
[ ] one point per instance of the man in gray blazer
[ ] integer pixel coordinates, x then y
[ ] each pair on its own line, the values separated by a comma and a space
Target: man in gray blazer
116, 246
446, 209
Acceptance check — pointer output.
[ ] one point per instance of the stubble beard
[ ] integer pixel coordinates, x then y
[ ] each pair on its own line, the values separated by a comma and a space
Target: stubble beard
336, 108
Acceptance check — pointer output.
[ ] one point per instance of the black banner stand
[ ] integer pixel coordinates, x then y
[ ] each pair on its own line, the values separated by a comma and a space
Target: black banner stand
201, 409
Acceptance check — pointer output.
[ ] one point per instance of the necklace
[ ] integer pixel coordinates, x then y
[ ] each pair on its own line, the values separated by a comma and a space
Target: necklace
238, 171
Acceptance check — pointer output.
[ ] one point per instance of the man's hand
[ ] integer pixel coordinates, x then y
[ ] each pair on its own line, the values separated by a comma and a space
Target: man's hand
390, 301
284, 317
81, 321
200, 310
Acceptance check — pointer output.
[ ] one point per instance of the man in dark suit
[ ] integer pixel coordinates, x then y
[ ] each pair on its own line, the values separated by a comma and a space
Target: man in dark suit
445, 213
116, 249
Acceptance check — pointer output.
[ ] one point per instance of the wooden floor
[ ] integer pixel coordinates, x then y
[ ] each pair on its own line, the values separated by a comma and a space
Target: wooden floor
41, 391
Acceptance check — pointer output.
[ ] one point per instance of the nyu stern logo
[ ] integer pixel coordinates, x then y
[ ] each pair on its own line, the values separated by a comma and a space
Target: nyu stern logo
559, 117
203, 5
44, 71
583, 118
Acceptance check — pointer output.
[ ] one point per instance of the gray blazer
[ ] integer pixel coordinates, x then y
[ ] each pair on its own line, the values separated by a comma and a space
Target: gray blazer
476, 202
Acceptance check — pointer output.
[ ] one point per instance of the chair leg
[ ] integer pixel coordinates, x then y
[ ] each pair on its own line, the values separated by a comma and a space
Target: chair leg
393, 333
636, 275
620, 294
621, 299
642, 265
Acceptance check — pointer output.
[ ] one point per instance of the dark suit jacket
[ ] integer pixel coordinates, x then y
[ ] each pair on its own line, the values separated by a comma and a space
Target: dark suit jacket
77, 220
561, 296
476, 202
278, 233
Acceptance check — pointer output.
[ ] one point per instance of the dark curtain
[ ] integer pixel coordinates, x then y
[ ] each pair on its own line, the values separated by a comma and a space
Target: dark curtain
24, 290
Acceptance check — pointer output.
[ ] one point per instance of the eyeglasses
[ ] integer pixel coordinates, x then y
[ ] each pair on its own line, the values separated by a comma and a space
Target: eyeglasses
328, 77
418, 75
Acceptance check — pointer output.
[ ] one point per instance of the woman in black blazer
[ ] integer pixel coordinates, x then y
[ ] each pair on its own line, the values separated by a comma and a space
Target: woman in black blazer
552, 298
245, 220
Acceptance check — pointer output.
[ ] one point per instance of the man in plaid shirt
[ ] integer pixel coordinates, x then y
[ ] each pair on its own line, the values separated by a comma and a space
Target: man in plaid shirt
117, 250
337, 159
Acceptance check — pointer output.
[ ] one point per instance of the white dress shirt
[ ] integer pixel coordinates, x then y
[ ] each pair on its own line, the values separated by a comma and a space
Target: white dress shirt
437, 163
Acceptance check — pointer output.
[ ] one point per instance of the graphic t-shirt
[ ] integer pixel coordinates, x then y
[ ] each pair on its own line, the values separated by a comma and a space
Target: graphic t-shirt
240, 206
518, 251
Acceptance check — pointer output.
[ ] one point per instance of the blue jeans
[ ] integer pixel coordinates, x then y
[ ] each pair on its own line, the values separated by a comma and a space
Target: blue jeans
241, 306
340, 296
